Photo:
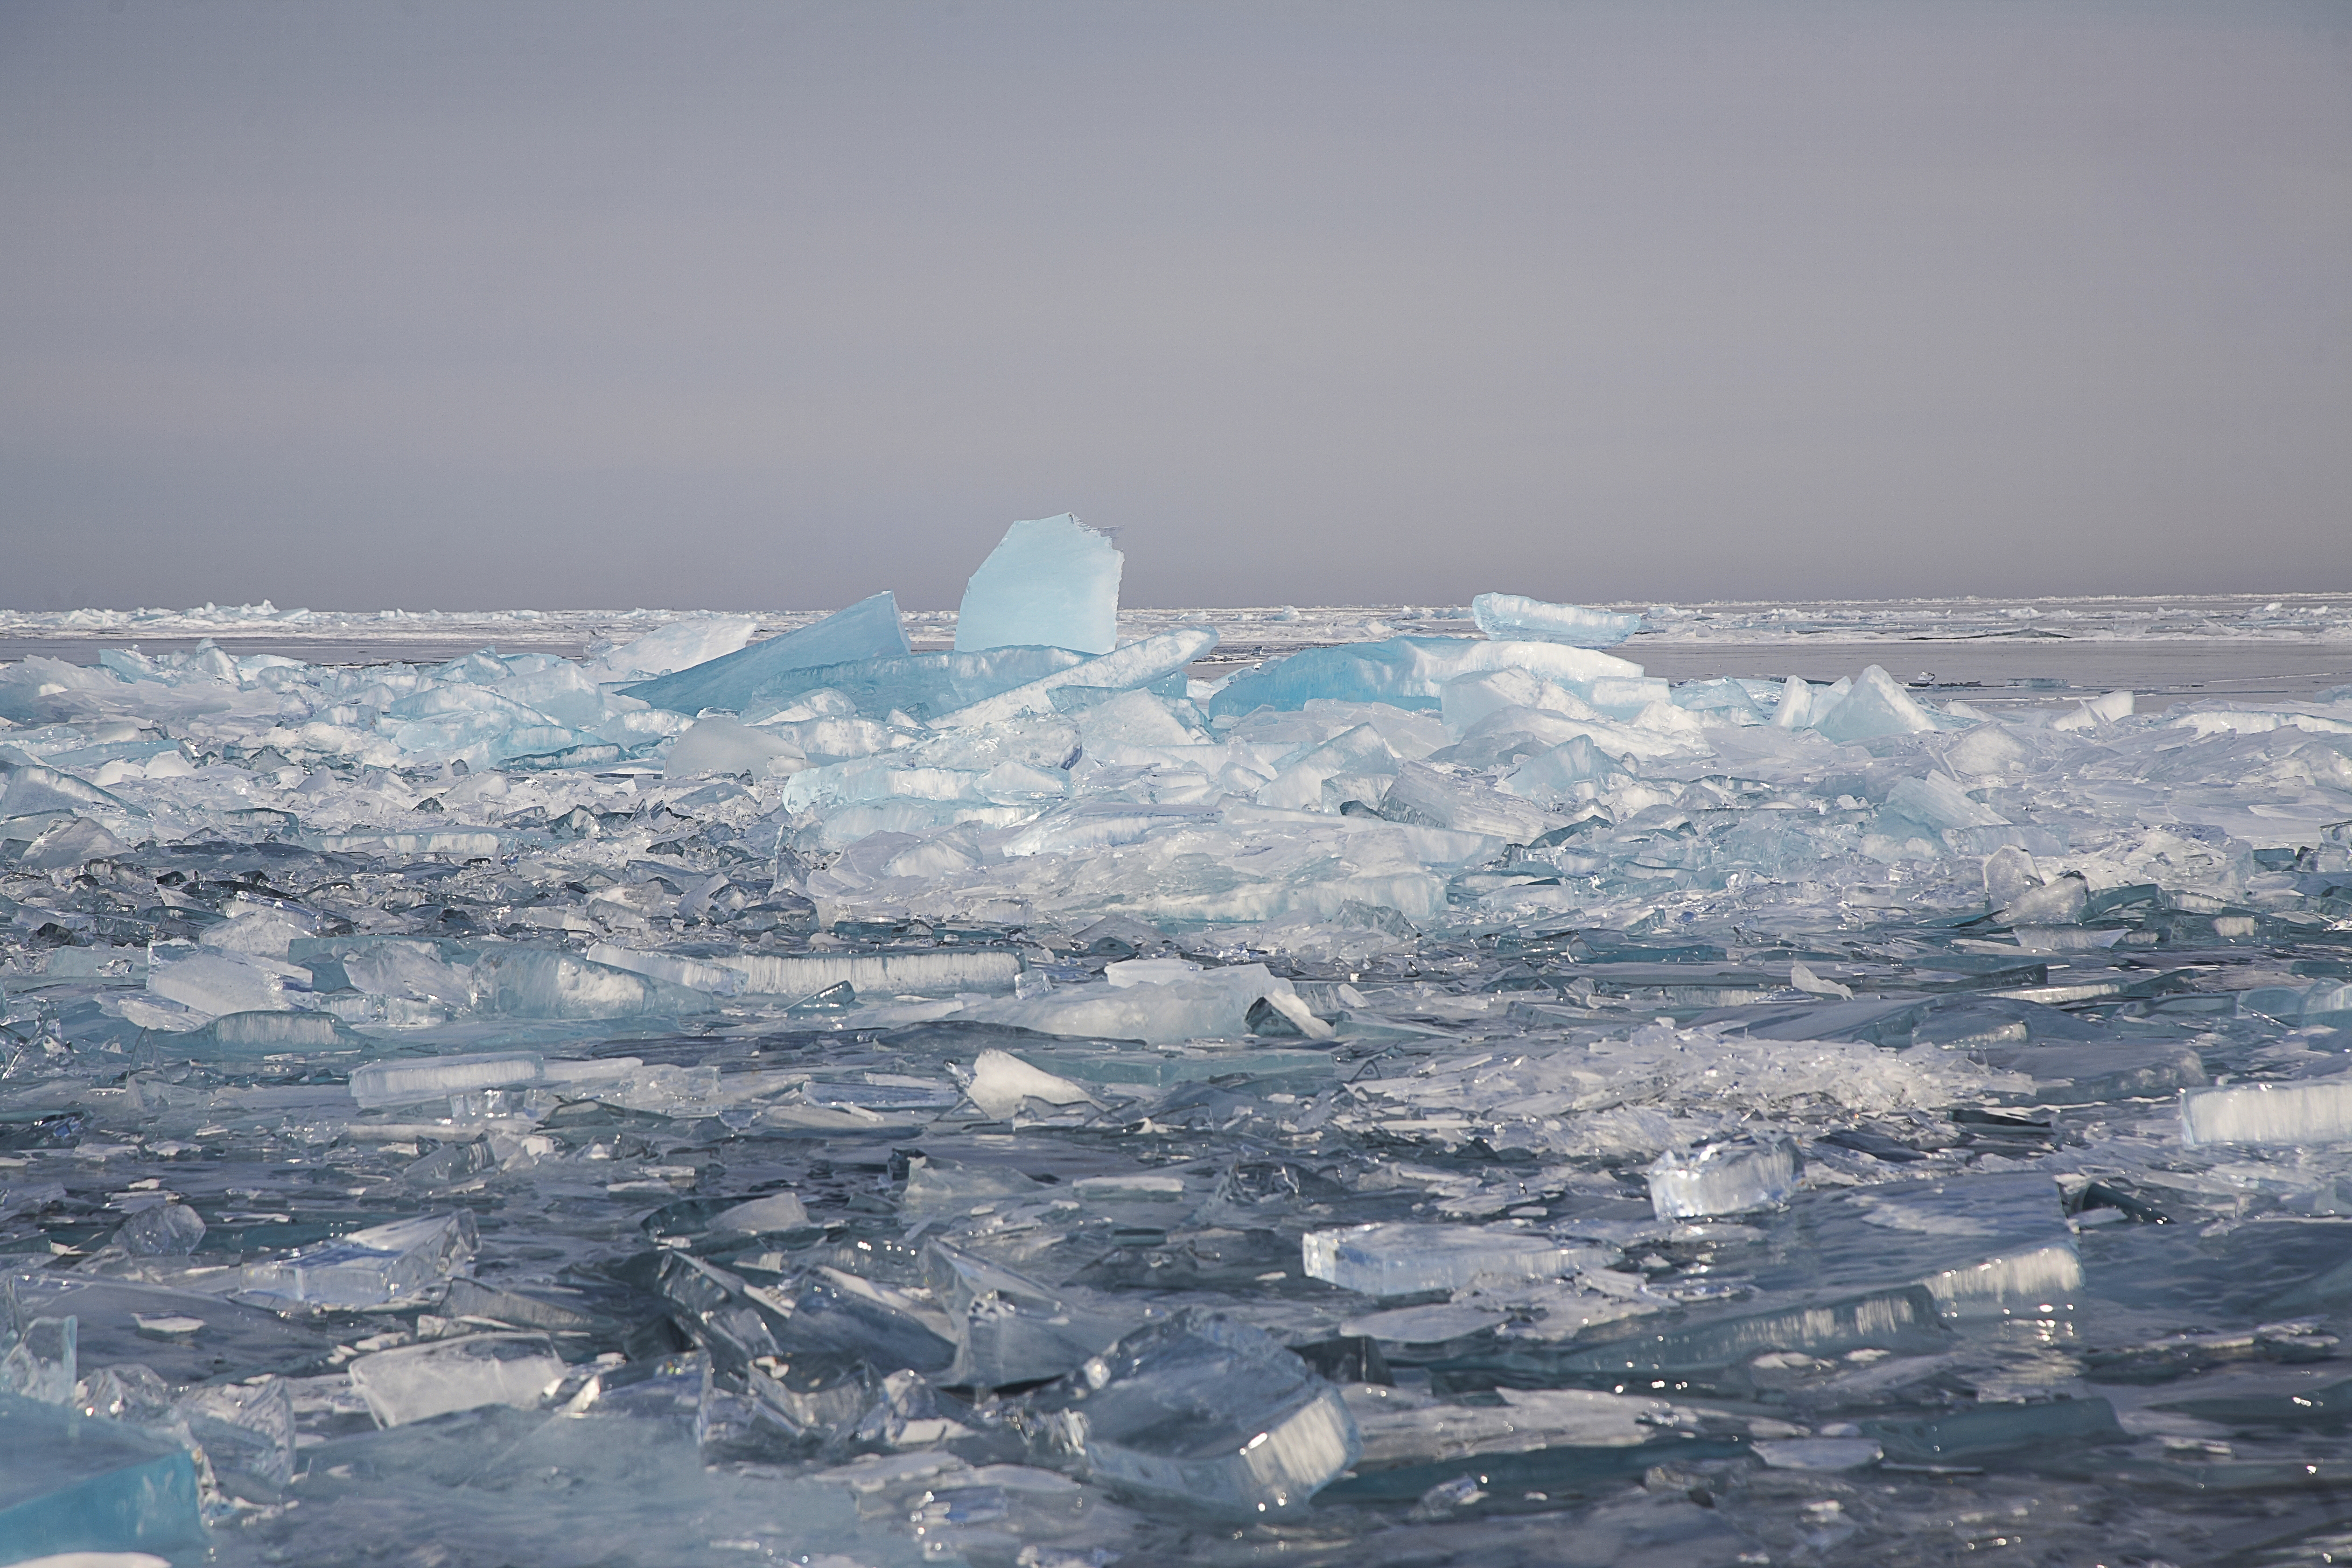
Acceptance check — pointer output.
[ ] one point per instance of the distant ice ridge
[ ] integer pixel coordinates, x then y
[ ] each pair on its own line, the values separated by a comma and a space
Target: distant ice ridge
1512, 616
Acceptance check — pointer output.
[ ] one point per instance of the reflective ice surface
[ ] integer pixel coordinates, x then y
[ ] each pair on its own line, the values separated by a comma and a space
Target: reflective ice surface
1812, 1084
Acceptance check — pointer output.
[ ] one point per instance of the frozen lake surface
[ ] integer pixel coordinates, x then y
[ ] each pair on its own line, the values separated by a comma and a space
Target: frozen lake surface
1349, 1091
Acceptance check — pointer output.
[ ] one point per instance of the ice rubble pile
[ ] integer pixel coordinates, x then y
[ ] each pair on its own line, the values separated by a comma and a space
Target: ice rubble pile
1027, 1104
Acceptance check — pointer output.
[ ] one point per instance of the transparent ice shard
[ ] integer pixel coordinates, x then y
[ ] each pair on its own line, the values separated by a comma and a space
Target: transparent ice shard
2272, 1114
1011, 1329
244, 1427
1723, 1178
1050, 582
1403, 1259
869, 629
163, 1230
74, 1484
1200, 1410
267, 1033
213, 982
1514, 617
43, 1361
416, 1080
400, 1262
417, 1383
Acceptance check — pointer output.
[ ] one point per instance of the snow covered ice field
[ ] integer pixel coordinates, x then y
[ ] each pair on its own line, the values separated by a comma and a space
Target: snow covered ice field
1070, 1086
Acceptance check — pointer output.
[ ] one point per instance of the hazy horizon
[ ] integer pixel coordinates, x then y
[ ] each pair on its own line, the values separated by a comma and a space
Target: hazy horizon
754, 308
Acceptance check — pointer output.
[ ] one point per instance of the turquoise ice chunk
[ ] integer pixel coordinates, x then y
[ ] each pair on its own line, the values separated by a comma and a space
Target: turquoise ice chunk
1050, 582
74, 1483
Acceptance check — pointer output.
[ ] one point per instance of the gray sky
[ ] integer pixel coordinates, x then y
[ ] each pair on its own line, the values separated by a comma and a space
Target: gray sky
455, 305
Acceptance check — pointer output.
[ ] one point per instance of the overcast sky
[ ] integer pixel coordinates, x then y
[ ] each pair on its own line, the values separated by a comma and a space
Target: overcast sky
463, 305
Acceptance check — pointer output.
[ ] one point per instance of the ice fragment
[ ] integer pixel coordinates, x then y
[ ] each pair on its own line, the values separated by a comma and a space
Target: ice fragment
1052, 582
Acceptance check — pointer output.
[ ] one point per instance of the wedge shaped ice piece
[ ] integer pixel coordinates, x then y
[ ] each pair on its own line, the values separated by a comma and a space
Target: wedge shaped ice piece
1011, 1329
1515, 617
417, 1383
1723, 1178
1983, 1246
2269, 1113
72, 1484
1401, 1259
1002, 1083
681, 645
382, 1264
1050, 582
1200, 1410
246, 1427
1878, 705
416, 1080
867, 629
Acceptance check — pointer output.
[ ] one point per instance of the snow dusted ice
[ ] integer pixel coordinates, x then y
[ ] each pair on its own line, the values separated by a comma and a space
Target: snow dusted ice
1065, 1086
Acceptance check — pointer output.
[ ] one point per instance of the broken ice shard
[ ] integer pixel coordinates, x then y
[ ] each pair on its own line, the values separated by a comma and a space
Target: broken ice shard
1876, 705
72, 1485
1002, 1083
1050, 582
1903, 1321
382, 1264
416, 1382
1401, 1259
1512, 617
2268, 1113
526, 983
1011, 1329
414, 1080
867, 629
1201, 1410
1723, 1178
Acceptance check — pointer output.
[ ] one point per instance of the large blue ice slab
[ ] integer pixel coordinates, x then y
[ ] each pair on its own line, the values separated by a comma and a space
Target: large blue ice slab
866, 630
1050, 582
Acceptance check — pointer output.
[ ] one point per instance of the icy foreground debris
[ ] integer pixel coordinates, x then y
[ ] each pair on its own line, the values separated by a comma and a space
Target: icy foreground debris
1049, 582
1509, 618
1201, 1409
